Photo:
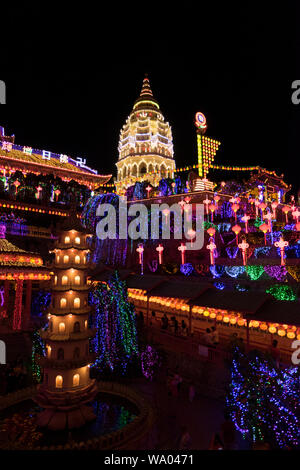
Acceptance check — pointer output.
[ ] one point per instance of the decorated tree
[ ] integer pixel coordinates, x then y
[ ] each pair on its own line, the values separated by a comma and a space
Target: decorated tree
264, 402
115, 343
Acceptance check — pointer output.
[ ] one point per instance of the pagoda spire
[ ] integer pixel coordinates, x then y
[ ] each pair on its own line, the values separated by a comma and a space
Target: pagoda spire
146, 99
146, 89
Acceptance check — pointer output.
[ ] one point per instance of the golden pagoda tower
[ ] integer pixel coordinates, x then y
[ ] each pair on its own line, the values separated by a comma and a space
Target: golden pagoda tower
145, 144
67, 386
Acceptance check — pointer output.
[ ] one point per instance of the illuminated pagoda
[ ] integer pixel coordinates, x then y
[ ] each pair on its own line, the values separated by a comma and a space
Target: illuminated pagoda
67, 386
146, 144
19, 269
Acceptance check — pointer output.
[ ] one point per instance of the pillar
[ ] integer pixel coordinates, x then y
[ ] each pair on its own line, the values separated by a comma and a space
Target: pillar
5, 300
17, 319
247, 321
26, 317
190, 319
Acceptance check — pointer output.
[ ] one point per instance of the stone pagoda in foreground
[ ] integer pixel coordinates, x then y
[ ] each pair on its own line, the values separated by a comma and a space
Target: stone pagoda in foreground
67, 386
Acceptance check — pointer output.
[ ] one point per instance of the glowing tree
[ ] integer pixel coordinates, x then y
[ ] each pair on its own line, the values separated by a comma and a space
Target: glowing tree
115, 343
263, 401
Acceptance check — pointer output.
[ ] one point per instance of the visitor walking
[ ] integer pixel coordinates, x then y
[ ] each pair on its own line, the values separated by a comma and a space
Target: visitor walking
192, 392
207, 338
215, 335
185, 440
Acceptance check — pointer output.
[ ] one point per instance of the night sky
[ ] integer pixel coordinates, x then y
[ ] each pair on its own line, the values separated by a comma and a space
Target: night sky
72, 78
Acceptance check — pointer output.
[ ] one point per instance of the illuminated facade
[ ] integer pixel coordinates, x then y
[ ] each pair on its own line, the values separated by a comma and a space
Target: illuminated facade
146, 144
67, 385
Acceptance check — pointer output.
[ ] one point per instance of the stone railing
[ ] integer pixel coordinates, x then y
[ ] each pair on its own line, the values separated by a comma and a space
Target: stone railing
132, 436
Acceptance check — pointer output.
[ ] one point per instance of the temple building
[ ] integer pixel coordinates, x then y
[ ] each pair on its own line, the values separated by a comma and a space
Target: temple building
146, 143
67, 385
19, 272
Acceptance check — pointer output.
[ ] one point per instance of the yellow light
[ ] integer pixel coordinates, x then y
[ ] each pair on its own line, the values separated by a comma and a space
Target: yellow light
291, 335
281, 332
272, 329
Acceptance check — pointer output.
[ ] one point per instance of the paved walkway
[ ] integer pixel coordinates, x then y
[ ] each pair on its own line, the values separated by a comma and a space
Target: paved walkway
203, 417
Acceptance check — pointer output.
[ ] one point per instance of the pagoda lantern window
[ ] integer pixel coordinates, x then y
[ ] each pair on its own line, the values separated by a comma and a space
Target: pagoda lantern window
86, 324
67, 239
66, 259
58, 381
77, 240
76, 380
77, 280
55, 280
77, 327
57, 258
63, 303
84, 259
77, 302
62, 327
49, 350
60, 354
76, 354
64, 280
77, 259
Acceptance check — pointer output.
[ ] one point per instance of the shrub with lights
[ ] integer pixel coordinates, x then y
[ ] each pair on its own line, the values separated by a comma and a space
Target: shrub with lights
263, 401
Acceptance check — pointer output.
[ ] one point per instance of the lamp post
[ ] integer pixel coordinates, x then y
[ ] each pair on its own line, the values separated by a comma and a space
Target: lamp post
191, 233
264, 228
140, 251
296, 214
212, 209
274, 205
211, 232
148, 189
257, 203
206, 202
17, 184
182, 249
160, 250
211, 247
39, 189
235, 207
236, 229
281, 244
262, 207
245, 219
244, 246
286, 210
216, 199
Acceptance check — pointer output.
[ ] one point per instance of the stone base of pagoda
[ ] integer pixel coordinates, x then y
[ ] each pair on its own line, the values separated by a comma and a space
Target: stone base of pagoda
65, 409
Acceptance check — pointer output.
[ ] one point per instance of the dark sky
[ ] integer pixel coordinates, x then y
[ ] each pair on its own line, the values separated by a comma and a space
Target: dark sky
72, 78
